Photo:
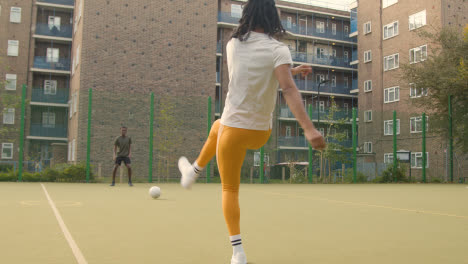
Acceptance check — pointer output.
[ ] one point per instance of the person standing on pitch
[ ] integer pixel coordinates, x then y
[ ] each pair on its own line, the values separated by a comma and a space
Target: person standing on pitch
124, 144
257, 64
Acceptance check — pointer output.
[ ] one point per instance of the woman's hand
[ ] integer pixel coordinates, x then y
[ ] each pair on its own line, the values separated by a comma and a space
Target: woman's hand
302, 69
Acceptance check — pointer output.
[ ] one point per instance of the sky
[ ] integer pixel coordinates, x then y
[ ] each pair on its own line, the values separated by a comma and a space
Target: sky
336, 4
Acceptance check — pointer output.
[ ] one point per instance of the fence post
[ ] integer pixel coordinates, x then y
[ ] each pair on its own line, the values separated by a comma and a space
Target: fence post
394, 145
262, 163
310, 169
354, 145
450, 139
150, 166
21, 146
423, 147
88, 141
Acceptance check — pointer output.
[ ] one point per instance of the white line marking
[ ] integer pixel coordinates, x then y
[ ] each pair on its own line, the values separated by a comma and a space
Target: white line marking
74, 247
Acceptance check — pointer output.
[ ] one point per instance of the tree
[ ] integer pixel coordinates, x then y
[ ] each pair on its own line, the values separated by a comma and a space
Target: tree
8, 100
444, 73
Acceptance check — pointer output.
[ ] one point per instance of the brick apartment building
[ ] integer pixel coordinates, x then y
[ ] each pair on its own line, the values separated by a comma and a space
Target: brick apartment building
124, 50
388, 38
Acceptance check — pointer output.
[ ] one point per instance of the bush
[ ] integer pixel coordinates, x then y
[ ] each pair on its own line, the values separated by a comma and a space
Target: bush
75, 173
31, 177
61, 173
348, 177
6, 167
436, 180
389, 175
8, 176
50, 175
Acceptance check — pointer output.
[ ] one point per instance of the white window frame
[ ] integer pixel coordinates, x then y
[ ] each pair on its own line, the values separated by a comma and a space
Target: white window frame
54, 21
388, 127
333, 81
9, 116
346, 30
322, 107
417, 92
13, 48
334, 53
396, 62
387, 3
417, 20
288, 131
367, 27
368, 116
346, 82
346, 56
15, 14
48, 119
50, 87
321, 130
367, 56
319, 78
416, 122
53, 55
320, 27
11, 80
393, 28
415, 156
368, 86
418, 54
333, 28
368, 147
346, 108
7, 146
388, 158
389, 91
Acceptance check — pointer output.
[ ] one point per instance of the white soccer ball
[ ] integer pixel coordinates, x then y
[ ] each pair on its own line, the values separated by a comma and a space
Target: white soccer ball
155, 192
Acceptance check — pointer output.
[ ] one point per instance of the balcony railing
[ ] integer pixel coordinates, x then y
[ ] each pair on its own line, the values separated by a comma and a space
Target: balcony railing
218, 77
217, 106
321, 60
301, 142
355, 55
354, 21
219, 47
59, 2
41, 130
355, 85
63, 31
309, 85
60, 97
285, 112
63, 64
300, 30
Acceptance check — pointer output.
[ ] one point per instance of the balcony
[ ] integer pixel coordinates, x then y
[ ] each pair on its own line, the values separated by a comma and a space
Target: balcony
355, 85
225, 17
285, 112
218, 77
55, 131
217, 107
311, 86
314, 32
219, 47
354, 21
60, 97
59, 2
63, 64
355, 55
301, 142
321, 60
64, 31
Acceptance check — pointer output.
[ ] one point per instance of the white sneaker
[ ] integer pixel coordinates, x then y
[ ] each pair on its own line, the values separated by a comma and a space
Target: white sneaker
188, 173
239, 258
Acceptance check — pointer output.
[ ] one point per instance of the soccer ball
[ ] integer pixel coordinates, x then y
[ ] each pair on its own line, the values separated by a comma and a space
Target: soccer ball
155, 192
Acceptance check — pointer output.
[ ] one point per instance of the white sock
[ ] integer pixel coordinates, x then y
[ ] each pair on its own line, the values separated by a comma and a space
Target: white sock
197, 168
236, 243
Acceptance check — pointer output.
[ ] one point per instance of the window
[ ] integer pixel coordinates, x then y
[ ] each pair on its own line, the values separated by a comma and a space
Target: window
387, 3
13, 47
48, 119
15, 15
346, 30
321, 130
368, 86
319, 78
320, 27
418, 54
391, 62
10, 82
416, 124
417, 20
388, 158
388, 127
417, 160
7, 150
334, 53
52, 55
54, 21
9, 116
333, 81
320, 105
346, 85
321, 53
289, 23
392, 94
390, 30
367, 56
345, 55
50, 87
367, 28
346, 108
333, 29
417, 92
367, 147
288, 131
368, 116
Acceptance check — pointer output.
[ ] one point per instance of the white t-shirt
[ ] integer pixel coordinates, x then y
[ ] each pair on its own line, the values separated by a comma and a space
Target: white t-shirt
253, 87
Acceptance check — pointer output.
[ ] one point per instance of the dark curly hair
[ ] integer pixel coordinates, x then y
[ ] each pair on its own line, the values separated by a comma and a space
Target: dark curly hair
259, 14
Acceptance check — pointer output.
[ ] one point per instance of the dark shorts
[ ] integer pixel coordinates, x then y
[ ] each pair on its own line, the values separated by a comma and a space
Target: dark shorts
119, 160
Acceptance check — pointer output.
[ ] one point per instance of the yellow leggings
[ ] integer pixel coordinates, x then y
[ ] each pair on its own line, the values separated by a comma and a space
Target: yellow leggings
230, 145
